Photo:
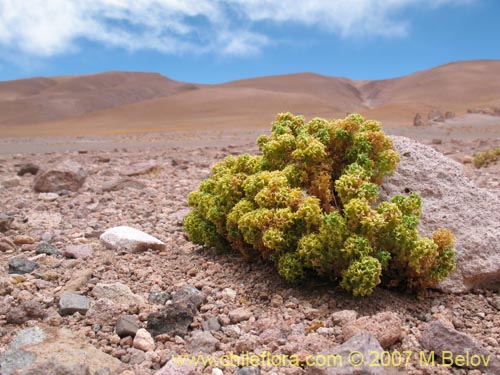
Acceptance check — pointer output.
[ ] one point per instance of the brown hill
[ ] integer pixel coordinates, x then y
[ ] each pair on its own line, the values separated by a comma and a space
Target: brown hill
36, 100
135, 102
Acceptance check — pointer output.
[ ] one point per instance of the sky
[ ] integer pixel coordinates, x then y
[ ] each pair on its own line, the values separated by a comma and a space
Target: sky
217, 41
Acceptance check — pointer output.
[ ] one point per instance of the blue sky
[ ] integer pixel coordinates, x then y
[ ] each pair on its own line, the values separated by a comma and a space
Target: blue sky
221, 40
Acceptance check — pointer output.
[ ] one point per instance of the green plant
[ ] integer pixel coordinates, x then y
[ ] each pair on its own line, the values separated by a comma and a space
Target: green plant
310, 205
483, 158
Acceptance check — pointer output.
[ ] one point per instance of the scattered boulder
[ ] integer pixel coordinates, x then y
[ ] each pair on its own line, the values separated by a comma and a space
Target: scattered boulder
35, 346
118, 293
385, 326
6, 244
20, 266
11, 182
71, 303
490, 111
47, 249
343, 317
239, 315
130, 239
137, 169
211, 324
158, 298
448, 115
444, 189
67, 175
342, 358
190, 295
436, 116
442, 340
5, 222
173, 320
78, 251
28, 310
126, 325
202, 342
144, 341
124, 183
28, 168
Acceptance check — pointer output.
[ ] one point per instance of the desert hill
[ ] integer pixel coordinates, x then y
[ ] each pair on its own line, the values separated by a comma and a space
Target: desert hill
119, 102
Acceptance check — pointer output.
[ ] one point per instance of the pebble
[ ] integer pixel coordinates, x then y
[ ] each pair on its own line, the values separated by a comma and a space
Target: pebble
71, 303
143, 340
78, 251
126, 325
47, 248
240, 314
17, 265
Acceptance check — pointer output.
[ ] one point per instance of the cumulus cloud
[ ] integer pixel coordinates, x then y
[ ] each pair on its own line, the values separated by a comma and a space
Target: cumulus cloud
229, 27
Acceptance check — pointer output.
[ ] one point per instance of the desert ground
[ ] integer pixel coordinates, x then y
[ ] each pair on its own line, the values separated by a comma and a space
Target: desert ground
139, 173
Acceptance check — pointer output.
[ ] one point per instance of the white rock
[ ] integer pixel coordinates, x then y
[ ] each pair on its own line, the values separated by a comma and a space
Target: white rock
229, 294
144, 341
130, 239
118, 293
453, 201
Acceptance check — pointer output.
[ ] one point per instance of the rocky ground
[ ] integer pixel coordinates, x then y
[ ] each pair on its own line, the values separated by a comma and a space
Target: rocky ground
236, 307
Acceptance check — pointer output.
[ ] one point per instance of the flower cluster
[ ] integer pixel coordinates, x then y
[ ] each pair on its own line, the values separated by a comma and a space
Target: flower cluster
310, 204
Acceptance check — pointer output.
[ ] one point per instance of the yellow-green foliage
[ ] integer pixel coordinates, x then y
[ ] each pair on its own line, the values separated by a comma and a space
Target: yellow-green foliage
310, 204
484, 158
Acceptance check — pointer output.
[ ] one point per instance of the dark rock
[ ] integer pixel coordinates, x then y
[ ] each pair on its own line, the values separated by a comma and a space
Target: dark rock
173, 320
364, 343
71, 303
5, 222
248, 370
158, 298
17, 265
47, 248
29, 310
189, 294
28, 168
67, 176
78, 251
211, 324
126, 325
439, 338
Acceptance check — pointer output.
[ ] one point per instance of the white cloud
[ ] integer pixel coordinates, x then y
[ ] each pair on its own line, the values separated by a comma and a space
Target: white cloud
230, 27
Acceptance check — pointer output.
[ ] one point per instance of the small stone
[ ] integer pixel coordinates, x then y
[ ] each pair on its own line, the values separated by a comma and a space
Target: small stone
239, 315
438, 338
22, 239
211, 324
158, 298
11, 182
124, 183
136, 169
126, 325
136, 357
17, 265
28, 168
78, 251
467, 159
130, 239
229, 294
71, 303
276, 301
173, 368
495, 302
48, 197
248, 370
202, 342
173, 320
343, 317
385, 326
7, 245
68, 175
118, 293
190, 295
47, 248
217, 371
5, 222
28, 310
144, 341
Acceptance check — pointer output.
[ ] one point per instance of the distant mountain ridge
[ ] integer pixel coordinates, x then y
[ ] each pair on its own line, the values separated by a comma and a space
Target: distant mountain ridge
130, 101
